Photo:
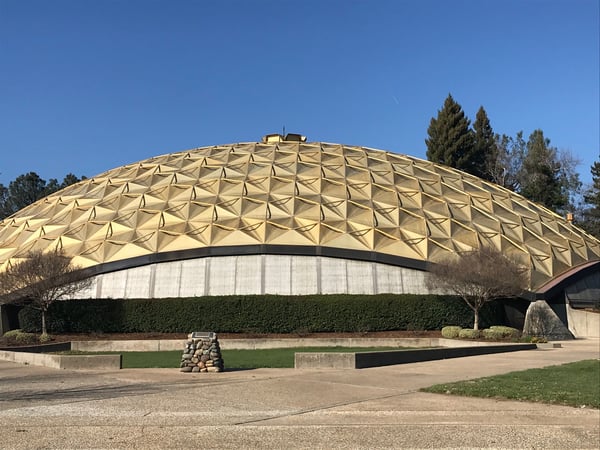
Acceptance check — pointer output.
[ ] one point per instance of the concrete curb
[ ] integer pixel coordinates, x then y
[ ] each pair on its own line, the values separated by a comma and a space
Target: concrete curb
40, 348
255, 344
363, 360
156, 345
436, 348
264, 343
548, 345
70, 362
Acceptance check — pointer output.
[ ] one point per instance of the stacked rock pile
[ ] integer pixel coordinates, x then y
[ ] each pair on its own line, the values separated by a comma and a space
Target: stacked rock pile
202, 353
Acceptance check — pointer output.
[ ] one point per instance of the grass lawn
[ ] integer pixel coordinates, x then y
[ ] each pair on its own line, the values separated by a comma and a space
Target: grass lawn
281, 357
575, 384
234, 359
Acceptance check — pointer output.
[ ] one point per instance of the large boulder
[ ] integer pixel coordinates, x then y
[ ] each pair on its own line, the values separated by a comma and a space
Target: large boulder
541, 321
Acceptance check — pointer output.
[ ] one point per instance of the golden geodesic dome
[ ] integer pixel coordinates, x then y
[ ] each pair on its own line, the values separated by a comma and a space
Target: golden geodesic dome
291, 196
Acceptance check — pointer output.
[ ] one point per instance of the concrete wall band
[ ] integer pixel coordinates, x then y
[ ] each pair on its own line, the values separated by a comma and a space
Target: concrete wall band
256, 275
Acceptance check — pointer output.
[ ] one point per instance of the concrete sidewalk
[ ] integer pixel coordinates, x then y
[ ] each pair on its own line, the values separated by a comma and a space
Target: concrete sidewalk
286, 408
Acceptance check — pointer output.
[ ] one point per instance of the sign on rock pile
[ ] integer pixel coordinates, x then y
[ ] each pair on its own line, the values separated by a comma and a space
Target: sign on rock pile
202, 353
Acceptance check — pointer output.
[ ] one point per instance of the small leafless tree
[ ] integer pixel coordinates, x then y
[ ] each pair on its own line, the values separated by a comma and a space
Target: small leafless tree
479, 277
39, 280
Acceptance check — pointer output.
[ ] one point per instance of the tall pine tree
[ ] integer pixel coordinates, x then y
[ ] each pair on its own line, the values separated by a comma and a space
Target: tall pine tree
542, 175
591, 215
485, 150
451, 140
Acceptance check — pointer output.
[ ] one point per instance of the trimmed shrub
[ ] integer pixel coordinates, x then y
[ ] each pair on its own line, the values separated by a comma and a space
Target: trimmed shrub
45, 338
11, 334
255, 314
18, 337
451, 332
494, 335
506, 332
468, 333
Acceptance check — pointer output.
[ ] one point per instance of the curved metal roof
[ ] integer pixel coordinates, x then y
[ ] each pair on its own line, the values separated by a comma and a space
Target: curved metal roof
296, 194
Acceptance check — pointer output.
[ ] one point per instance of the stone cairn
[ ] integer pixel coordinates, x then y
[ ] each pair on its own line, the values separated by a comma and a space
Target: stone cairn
202, 353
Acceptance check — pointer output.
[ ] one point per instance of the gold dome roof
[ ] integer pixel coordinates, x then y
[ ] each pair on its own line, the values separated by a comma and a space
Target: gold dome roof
298, 195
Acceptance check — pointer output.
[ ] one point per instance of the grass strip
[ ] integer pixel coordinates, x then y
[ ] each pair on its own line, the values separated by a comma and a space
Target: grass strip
574, 384
234, 359
282, 357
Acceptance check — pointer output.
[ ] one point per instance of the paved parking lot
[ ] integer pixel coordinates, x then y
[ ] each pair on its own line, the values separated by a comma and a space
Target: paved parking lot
287, 408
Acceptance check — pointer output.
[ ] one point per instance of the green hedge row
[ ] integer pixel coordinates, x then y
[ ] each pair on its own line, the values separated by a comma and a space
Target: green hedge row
258, 314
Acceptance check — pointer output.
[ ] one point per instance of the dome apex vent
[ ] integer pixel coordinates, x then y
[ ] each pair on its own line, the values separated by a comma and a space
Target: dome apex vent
289, 137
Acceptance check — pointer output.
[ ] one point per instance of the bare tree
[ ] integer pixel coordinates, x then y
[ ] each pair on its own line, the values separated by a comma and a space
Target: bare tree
479, 277
506, 162
40, 279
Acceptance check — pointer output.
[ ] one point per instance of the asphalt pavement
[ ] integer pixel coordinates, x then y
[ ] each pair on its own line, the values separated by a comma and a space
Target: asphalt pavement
372, 408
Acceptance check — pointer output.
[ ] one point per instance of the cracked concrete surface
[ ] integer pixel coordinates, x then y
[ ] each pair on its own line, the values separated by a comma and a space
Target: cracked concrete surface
287, 408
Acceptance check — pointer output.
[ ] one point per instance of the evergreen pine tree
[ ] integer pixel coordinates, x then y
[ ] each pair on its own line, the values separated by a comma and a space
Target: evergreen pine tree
542, 176
28, 188
450, 138
485, 150
591, 215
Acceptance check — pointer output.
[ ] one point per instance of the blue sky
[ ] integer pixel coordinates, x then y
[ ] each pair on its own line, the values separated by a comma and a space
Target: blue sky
89, 85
